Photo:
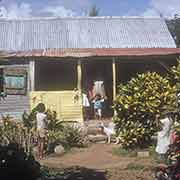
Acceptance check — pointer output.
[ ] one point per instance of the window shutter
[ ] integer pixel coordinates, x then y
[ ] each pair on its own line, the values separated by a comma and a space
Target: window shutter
15, 81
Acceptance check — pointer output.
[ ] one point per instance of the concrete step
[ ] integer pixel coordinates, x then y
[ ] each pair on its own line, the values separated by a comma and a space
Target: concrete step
93, 126
93, 131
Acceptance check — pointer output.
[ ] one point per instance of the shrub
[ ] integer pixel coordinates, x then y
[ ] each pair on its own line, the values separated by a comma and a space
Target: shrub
29, 120
174, 74
17, 165
137, 105
24, 132
174, 78
69, 136
53, 123
12, 131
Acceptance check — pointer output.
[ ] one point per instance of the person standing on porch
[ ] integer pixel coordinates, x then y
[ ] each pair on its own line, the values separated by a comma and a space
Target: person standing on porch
86, 106
98, 106
41, 120
90, 91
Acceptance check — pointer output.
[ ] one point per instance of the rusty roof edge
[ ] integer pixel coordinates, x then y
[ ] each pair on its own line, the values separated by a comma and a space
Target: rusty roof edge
96, 52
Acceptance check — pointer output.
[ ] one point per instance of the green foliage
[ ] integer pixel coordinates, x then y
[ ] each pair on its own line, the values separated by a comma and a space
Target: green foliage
123, 152
29, 120
53, 123
174, 75
94, 11
12, 131
51, 173
24, 132
16, 164
69, 136
137, 105
174, 78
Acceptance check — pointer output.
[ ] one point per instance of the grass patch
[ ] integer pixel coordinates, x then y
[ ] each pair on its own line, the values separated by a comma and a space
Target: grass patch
119, 151
139, 167
73, 173
134, 166
155, 156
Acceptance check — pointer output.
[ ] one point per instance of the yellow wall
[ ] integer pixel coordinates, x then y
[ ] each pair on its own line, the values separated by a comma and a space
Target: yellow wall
60, 101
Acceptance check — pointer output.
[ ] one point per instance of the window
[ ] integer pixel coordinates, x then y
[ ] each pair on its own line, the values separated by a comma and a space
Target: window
15, 81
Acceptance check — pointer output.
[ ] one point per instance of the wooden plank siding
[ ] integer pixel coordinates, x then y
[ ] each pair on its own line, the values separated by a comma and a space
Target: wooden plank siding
15, 105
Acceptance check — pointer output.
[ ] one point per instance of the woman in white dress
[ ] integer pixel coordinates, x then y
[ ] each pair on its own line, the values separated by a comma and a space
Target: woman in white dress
164, 136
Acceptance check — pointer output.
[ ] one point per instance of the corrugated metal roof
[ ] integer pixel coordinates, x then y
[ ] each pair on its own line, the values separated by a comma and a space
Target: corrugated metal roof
84, 32
98, 52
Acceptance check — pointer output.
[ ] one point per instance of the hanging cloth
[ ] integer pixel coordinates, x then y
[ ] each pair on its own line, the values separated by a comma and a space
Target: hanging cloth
98, 88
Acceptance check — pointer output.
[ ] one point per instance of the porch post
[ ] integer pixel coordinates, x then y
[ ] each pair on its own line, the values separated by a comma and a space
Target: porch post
114, 80
79, 76
32, 75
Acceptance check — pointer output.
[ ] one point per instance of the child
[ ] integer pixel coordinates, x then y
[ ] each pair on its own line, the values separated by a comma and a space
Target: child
41, 120
98, 105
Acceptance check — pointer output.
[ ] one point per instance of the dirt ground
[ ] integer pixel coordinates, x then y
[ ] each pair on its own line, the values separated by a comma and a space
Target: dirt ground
97, 162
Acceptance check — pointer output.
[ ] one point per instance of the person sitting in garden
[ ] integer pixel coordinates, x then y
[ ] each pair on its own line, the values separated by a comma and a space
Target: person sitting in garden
98, 106
41, 119
164, 136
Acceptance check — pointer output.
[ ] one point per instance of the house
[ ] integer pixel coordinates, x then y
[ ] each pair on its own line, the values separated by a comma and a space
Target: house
44, 59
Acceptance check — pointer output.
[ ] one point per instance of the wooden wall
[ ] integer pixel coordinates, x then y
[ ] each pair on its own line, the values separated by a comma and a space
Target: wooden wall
15, 105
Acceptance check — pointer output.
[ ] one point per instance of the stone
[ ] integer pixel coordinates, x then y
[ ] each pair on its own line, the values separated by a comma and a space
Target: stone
97, 138
59, 150
143, 154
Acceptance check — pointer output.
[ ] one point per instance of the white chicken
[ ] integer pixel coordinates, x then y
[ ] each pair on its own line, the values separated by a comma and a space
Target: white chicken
109, 131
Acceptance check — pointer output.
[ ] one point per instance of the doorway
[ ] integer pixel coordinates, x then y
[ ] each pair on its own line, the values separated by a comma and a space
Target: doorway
99, 70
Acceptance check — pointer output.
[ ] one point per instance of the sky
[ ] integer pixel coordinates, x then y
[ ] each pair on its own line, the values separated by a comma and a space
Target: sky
15, 9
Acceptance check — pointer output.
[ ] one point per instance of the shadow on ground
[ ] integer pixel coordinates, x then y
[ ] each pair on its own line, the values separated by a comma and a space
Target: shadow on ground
75, 173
